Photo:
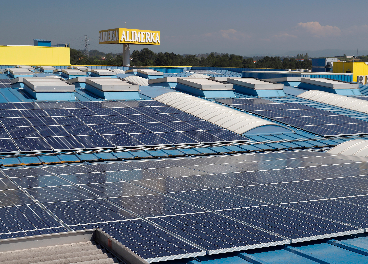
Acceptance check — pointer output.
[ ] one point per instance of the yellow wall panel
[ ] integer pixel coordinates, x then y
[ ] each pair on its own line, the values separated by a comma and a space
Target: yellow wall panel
357, 68
34, 55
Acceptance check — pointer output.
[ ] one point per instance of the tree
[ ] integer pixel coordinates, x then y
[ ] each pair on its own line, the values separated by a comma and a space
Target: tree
119, 60
76, 56
235, 61
248, 63
146, 57
190, 60
293, 63
269, 62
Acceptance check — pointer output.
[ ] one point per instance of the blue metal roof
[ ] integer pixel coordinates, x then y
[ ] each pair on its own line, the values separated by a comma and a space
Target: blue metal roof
352, 249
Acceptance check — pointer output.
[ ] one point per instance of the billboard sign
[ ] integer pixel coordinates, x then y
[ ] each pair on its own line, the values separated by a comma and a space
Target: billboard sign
129, 36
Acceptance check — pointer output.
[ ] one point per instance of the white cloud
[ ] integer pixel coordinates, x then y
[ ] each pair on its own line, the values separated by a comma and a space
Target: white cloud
232, 34
284, 35
317, 30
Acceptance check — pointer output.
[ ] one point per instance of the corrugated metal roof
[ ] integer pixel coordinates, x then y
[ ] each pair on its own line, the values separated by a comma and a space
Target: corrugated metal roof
81, 252
225, 117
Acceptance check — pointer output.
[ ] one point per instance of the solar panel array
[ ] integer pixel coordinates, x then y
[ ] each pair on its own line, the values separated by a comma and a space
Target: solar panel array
230, 119
351, 103
317, 121
5, 83
47, 126
178, 208
322, 106
185, 207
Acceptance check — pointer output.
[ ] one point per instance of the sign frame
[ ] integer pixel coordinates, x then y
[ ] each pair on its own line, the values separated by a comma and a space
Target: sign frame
129, 36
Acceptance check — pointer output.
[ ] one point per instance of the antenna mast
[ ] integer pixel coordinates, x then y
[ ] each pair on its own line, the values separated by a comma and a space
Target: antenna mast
86, 44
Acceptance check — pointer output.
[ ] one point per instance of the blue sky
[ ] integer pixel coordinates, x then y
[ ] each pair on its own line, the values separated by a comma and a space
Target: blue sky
259, 27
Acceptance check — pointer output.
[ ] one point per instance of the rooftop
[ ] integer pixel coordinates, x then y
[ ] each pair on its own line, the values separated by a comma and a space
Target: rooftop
181, 178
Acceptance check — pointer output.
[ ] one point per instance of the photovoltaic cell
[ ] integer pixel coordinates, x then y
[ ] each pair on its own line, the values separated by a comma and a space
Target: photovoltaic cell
215, 233
40, 181
287, 223
335, 210
154, 205
150, 139
31, 144
85, 212
150, 242
215, 199
94, 141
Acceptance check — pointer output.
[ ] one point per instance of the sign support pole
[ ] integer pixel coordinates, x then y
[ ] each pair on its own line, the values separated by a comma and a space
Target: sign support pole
126, 55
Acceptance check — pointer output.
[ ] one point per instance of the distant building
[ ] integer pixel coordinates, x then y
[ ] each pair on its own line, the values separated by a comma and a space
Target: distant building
42, 42
323, 64
41, 54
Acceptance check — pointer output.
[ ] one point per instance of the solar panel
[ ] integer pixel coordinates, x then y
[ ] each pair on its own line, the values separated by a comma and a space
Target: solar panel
33, 113
48, 131
4, 133
41, 121
117, 119
21, 132
14, 197
164, 118
94, 120
57, 112
157, 127
64, 143
288, 223
215, 199
14, 122
132, 128
126, 111
215, 233
150, 139
26, 105
220, 203
179, 138
180, 126
151, 205
68, 120
336, 211
77, 212
122, 140
7, 106
93, 141
139, 118
311, 119
80, 130
149, 241
202, 136
106, 129
81, 112
10, 113
204, 125
41, 181
30, 144
11, 216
